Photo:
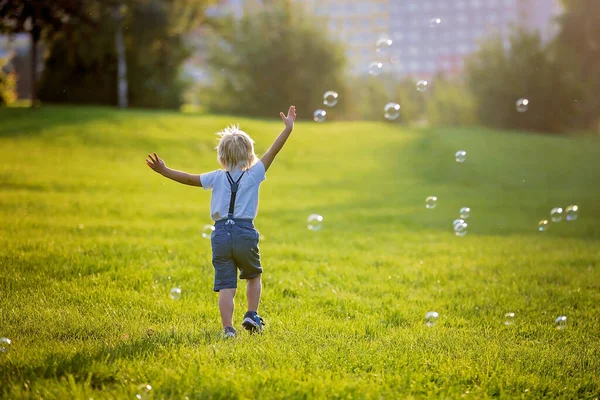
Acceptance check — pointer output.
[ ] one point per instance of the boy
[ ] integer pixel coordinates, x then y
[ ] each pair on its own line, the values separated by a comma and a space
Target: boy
233, 207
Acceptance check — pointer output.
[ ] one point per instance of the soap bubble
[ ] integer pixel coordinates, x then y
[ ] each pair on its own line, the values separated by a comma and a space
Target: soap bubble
522, 105
431, 318
330, 98
143, 392
460, 156
315, 222
460, 228
175, 293
5, 345
431, 202
434, 22
376, 68
571, 213
543, 225
319, 115
465, 212
458, 221
422, 85
509, 318
391, 111
556, 214
561, 322
383, 44
207, 231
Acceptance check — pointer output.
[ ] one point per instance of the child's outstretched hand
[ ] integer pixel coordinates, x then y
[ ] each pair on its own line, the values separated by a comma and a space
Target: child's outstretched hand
156, 163
289, 119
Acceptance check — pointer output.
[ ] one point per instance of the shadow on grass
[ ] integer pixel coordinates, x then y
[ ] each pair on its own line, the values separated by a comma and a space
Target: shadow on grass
78, 365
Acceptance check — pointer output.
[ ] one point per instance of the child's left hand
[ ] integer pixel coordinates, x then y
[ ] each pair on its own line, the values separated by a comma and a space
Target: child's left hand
289, 119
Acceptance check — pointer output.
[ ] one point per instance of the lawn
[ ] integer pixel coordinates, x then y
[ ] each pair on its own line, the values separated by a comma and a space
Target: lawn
92, 241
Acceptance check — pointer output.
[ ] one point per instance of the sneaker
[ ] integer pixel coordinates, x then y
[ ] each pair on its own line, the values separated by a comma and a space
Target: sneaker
229, 332
253, 323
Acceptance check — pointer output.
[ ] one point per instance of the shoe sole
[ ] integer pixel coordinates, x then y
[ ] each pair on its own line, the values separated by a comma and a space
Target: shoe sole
251, 325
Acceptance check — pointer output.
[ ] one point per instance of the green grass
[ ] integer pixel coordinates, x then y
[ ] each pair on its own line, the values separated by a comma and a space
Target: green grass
92, 241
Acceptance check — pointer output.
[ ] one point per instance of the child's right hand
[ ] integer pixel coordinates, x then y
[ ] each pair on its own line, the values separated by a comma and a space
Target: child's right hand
156, 163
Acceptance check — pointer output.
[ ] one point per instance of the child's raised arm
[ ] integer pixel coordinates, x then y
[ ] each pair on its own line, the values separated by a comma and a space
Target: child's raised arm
159, 166
277, 145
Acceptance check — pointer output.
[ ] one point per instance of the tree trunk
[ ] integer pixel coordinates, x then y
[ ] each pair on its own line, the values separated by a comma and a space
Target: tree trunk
35, 38
121, 61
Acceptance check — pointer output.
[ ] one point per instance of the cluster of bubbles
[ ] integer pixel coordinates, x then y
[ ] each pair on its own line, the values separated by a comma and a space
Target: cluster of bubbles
432, 317
330, 99
571, 213
460, 225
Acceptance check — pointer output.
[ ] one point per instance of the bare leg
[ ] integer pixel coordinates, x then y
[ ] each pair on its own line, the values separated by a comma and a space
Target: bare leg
253, 290
226, 306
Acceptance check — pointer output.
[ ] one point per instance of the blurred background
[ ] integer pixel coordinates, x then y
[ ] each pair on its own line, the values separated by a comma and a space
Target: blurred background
252, 57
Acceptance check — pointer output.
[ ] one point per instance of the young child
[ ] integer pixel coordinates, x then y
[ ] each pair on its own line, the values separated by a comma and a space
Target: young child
233, 207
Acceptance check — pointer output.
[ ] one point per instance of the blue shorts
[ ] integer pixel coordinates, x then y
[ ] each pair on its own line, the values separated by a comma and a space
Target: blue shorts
234, 246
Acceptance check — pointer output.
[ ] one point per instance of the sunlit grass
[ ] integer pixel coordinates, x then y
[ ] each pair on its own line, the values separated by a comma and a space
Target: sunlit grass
92, 241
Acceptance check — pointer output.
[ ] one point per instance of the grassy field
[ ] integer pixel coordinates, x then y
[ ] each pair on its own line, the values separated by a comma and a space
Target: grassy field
91, 242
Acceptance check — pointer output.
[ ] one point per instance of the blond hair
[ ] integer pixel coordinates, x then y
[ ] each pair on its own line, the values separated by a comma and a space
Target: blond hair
235, 149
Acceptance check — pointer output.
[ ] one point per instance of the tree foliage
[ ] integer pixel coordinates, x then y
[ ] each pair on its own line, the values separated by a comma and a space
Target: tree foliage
499, 76
83, 69
8, 83
272, 57
41, 19
579, 42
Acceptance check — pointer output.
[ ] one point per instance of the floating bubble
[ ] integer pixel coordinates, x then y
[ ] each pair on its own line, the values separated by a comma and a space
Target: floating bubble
460, 228
422, 85
315, 222
509, 318
5, 345
143, 392
460, 156
571, 213
458, 221
431, 202
522, 105
434, 22
391, 111
465, 212
330, 98
543, 225
431, 318
556, 214
383, 44
375, 68
561, 322
207, 231
175, 293
319, 115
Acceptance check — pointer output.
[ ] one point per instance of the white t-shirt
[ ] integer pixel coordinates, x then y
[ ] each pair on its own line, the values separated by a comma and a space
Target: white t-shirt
246, 201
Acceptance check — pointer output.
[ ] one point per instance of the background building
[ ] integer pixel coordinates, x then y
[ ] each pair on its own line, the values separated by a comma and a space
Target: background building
432, 36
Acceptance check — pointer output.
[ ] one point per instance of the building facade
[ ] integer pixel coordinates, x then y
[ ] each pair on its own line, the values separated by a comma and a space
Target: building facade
432, 36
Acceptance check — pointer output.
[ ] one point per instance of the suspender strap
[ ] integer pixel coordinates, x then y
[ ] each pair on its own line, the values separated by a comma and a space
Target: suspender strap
234, 189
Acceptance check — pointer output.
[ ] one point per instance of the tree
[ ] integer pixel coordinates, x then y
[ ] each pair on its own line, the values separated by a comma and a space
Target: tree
579, 42
271, 57
153, 33
39, 18
8, 84
499, 76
